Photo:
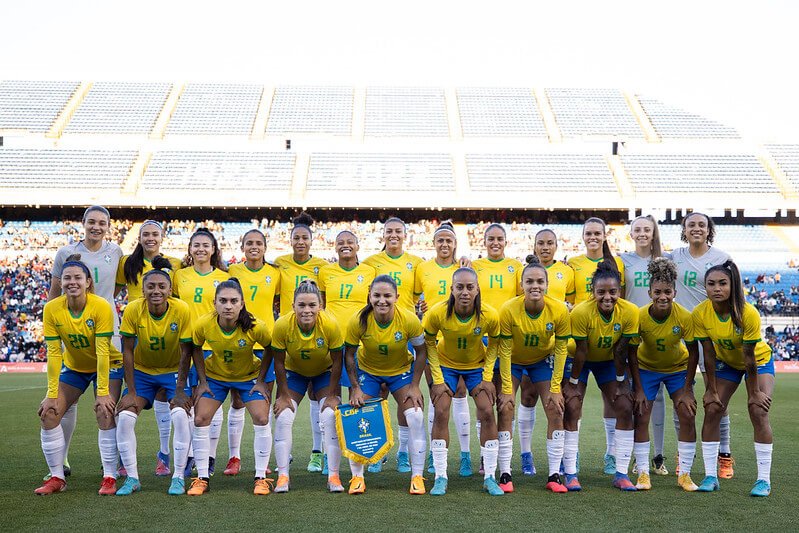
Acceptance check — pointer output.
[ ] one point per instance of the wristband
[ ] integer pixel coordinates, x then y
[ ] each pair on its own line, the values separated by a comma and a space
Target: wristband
619, 378
574, 381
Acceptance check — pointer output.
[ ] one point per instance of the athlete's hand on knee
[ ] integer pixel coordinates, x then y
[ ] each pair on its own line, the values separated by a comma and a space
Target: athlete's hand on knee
127, 402
557, 400
181, 400
436, 391
414, 397
281, 403
760, 399
331, 402
260, 387
487, 388
48, 404
357, 397
710, 398
688, 400
572, 393
505, 401
105, 404
200, 389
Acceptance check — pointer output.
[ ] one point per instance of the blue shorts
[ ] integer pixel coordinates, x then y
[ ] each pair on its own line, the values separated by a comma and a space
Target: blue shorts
192, 380
651, 380
299, 383
270, 374
471, 378
540, 371
148, 385
221, 389
725, 371
603, 371
370, 384
81, 380
117, 373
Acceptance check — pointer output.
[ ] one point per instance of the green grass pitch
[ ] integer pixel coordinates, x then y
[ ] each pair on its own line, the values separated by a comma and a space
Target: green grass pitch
387, 506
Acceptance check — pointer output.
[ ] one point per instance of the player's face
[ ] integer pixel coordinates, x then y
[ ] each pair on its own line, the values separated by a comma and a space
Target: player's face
394, 236
96, 225
593, 236
546, 244
606, 293
306, 307
301, 241
465, 289
445, 245
642, 233
495, 243
696, 229
156, 289
662, 294
534, 284
383, 297
228, 304
718, 286
150, 238
253, 247
346, 246
201, 250
74, 281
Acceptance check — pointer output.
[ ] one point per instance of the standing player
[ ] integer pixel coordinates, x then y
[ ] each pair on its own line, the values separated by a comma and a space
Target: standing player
156, 331
384, 330
84, 323
232, 332
729, 329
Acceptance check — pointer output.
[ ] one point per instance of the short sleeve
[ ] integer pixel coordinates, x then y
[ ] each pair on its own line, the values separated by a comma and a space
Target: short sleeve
630, 328
121, 272
579, 323
688, 328
262, 335
430, 323
58, 262
570, 281
105, 319
417, 281
128, 327
414, 326
279, 336
184, 316
700, 331
620, 264
320, 282
353, 336
198, 335
751, 320
563, 324
333, 333
492, 329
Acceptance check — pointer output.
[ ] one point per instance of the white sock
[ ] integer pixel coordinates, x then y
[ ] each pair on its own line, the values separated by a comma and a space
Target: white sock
610, 431
641, 451
107, 441
355, 468
490, 453
262, 446
686, 451
53, 446
164, 421
624, 449
215, 431
526, 417
431, 416
404, 433
417, 445
659, 422
463, 422
710, 454
763, 456
555, 447
283, 438
201, 441
332, 446
724, 434
505, 451
181, 441
126, 442
235, 427
68, 423
315, 429
571, 444
439, 449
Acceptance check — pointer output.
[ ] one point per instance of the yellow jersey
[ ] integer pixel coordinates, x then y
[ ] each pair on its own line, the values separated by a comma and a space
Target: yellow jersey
499, 280
86, 338
197, 290
292, 273
660, 346
135, 289
346, 291
259, 287
307, 354
384, 347
403, 270
584, 269
158, 338
600, 333
434, 281
728, 339
560, 281
232, 352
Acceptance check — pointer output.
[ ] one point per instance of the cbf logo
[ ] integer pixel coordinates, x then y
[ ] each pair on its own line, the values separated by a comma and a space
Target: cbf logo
361, 379
676, 330
173, 326
90, 323
268, 280
720, 365
315, 271
409, 265
242, 343
478, 330
550, 326
216, 283
320, 342
511, 269
363, 426
616, 327
107, 258
360, 279
738, 330
559, 275
398, 336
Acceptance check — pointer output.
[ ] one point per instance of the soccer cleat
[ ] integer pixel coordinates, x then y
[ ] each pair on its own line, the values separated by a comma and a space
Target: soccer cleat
283, 484
403, 463
121, 470
67, 468
108, 486
377, 467
177, 487
610, 464
709, 484
677, 465
726, 464
506, 482
417, 485
572, 483
233, 467
263, 486
211, 464
622, 482
357, 485
465, 469
431, 468
643, 483
490, 486
190, 464
325, 470
687, 484
528, 465
315, 463
51, 486
162, 464
334, 484
439, 487
481, 470
130, 486
555, 484
199, 486
634, 466
659, 466
762, 488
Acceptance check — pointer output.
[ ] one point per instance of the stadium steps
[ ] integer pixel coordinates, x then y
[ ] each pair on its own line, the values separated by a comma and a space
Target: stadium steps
453, 115
133, 181
299, 182
262, 114
131, 237
623, 183
640, 115
170, 104
462, 236
780, 178
63, 118
780, 233
358, 114
547, 115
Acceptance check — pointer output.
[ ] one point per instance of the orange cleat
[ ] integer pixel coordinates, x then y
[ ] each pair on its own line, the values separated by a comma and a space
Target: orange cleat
199, 486
108, 487
233, 467
357, 485
726, 464
51, 486
263, 486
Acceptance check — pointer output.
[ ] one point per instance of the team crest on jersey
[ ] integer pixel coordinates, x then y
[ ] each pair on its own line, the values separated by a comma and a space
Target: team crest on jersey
478, 330
550, 326
216, 283
708, 265
398, 336
173, 326
360, 279
409, 265
320, 342
511, 269
559, 275
268, 280
363, 425
738, 330
242, 343
616, 327
676, 330
107, 258
316, 271
90, 323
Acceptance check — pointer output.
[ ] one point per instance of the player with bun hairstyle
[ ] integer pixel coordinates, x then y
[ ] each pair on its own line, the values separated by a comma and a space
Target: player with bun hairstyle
729, 329
534, 329
232, 332
602, 328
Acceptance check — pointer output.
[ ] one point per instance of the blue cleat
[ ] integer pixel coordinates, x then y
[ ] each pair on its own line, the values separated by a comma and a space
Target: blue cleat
177, 487
709, 484
162, 464
325, 470
762, 488
439, 487
622, 482
465, 469
528, 465
431, 468
130, 486
490, 486
211, 463
189, 467
403, 463
610, 465
377, 467
572, 483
